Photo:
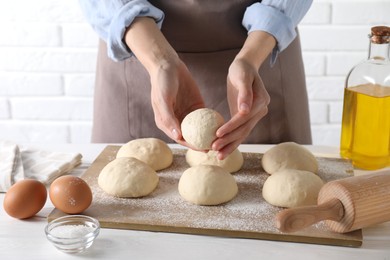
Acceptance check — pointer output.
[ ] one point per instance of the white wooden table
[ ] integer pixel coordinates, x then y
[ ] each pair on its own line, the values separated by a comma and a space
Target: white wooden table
25, 239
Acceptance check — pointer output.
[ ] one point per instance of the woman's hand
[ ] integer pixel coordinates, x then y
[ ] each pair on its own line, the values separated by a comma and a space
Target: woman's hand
248, 101
247, 97
174, 92
174, 95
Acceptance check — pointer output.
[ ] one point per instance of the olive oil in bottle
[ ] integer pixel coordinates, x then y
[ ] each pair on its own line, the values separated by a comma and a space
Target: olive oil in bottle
365, 132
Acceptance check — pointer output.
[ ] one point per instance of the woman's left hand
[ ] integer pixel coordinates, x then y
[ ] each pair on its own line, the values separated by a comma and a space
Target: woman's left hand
248, 101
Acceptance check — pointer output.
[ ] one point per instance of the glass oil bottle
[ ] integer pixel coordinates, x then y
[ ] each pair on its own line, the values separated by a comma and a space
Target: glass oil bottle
365, 132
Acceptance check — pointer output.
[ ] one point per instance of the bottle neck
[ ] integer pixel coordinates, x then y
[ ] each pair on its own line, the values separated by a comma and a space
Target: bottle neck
379, 51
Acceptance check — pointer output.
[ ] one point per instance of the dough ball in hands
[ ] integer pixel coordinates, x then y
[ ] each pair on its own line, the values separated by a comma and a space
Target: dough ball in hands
232, 163
128, 177
289, 155
151, 151
292, 188
207, 185
200, 126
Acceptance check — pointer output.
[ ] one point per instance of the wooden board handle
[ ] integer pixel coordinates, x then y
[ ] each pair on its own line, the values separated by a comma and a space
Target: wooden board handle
294, 219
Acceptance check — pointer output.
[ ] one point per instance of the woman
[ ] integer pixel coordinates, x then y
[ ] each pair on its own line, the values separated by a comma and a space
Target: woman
241, 58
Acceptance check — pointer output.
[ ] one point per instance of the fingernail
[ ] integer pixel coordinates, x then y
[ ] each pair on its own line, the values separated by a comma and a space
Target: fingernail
175, 134
244, 107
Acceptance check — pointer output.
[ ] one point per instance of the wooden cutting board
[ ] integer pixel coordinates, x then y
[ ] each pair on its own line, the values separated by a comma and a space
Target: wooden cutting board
246, 216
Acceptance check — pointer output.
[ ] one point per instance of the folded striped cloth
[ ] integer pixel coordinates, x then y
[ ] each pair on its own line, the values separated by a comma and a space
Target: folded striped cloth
45, 166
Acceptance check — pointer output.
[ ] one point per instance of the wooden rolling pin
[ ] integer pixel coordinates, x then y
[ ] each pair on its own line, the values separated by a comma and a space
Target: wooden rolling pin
345, 205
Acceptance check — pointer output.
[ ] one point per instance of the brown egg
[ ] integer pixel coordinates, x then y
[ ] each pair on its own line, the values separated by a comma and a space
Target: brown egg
25, 198
70, 194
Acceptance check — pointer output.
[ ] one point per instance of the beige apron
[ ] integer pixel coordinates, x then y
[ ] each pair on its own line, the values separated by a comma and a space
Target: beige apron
207, 35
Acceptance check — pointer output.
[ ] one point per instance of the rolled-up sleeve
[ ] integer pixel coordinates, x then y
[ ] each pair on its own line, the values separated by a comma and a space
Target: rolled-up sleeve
278, 18
111, 18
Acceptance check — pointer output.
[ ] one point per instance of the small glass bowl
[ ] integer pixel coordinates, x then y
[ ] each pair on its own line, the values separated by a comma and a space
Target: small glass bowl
72, 233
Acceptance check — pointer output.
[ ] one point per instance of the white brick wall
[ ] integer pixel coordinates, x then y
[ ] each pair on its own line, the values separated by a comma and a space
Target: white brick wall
48, 56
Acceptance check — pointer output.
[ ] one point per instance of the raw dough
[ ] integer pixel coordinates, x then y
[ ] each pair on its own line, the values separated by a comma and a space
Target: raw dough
151, 151
207, 185
128, 177
199, 127
232, 163
292, 188
289, 155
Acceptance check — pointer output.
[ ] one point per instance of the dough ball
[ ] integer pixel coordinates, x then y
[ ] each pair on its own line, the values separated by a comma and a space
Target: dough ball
151, 151
232, 163
207, 185
128, 177
292, 188
199, 127
289, 155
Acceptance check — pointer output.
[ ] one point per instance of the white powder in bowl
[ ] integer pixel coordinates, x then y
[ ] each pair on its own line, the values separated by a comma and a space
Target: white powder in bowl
71, 231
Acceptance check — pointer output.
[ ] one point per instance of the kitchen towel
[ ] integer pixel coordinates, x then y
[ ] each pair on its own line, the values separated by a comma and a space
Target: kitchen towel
17, 163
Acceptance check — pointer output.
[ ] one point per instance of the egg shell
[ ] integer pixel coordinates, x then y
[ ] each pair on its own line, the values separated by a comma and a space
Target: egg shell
25, 198
70, 194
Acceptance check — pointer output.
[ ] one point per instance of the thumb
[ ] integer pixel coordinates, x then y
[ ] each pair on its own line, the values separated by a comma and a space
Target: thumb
171, 125
165, 118
175, 131
244, 98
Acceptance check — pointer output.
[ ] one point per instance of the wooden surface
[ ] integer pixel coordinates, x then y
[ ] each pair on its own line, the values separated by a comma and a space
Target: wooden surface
246, 216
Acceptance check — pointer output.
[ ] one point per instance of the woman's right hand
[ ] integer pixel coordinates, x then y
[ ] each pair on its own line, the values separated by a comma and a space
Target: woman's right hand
174, 95
174, 92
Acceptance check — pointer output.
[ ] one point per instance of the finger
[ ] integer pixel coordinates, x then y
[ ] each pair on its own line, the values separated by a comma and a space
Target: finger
260, 93
166, 120
242, 88
244, 98
186, 144
227, 150
172, 129
238, 120
261, 108
238, 134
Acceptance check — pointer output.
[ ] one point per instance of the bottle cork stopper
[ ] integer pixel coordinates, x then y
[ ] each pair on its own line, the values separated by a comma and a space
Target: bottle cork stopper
380, 34
380, 31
